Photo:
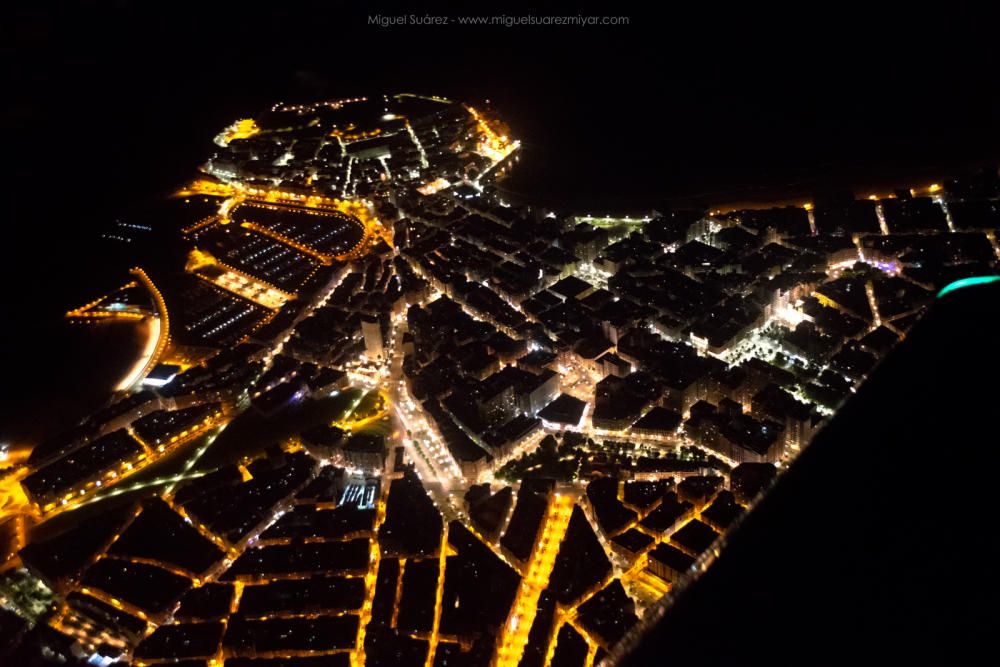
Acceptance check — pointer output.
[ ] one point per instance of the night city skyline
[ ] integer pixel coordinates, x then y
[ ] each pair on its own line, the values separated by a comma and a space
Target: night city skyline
495, 339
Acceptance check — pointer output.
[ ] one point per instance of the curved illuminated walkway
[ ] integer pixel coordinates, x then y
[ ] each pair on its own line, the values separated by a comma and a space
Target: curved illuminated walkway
159, 336
158, 322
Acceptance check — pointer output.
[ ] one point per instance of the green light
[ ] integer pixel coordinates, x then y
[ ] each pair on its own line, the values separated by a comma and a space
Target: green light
967, 282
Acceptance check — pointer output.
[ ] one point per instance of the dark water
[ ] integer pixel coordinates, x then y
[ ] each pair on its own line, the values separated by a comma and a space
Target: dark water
73, 373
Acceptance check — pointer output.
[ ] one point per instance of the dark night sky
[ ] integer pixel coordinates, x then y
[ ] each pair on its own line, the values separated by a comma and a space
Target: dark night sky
109, 104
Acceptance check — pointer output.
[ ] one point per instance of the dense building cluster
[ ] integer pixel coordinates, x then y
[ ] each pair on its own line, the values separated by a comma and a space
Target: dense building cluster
351, 147
464, 432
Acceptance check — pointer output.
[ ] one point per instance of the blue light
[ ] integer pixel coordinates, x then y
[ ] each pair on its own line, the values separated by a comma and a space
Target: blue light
967, 282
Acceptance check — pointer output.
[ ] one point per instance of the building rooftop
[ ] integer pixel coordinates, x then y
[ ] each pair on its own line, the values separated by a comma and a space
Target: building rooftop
565, 409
